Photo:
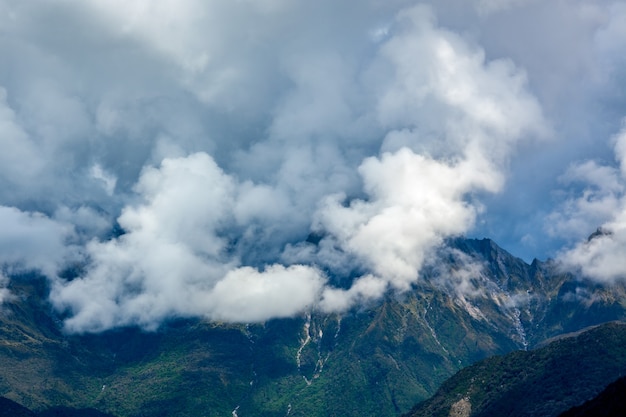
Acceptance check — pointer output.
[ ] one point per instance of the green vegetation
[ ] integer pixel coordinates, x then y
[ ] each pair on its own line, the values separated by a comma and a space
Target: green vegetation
543, 382
379, 361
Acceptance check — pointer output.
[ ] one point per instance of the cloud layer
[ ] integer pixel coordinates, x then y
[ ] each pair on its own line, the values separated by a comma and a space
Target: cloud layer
256, 159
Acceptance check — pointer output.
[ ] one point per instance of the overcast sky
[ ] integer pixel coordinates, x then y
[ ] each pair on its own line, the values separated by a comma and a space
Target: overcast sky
237, 159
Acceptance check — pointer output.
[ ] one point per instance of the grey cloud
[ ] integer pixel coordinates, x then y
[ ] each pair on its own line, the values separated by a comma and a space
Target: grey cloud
179, 238
33, 241
220, 135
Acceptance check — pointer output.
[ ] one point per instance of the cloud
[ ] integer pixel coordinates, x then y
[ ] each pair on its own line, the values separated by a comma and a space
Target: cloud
449, 120
414, 201
108, 180
363, 291
459, 273
603, 200
595, 204
248, 295
177, 257
32, 241
13, 137
5, 293
486, 7
237, 141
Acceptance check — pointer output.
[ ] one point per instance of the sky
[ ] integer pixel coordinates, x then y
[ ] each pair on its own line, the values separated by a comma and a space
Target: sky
246, 160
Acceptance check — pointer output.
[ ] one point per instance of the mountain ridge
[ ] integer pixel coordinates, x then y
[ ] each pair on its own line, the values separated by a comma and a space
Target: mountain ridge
476, 301
543, 382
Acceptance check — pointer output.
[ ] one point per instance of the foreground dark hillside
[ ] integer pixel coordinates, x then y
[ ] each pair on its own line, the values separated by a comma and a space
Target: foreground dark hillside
9, 408
609, 403
377, 361
543, 382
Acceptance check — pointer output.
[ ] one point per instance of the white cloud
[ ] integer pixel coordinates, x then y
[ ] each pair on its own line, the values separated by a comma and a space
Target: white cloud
460, 117
414, 202
176, 259
597, 202
247, 295
365, 289
602, 256
468, 113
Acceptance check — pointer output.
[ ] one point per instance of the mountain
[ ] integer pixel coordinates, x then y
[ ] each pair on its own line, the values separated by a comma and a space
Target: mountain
609, 403
544, 382
10, 408
475, 301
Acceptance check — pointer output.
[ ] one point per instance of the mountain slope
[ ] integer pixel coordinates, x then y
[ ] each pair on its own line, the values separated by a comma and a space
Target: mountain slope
10, 408
543, 382
609, 403
475, 301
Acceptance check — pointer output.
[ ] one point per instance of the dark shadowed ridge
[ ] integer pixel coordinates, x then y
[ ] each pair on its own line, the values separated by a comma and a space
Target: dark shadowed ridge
72, 412
544, 382
609, 403
9, 408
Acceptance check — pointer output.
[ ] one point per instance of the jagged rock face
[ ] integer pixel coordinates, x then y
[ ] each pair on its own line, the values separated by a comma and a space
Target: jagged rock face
536, 301
477, 300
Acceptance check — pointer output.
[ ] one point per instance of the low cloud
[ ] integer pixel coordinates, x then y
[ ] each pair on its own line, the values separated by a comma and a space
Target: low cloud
177, 257
5, 293
459, 273
602, 200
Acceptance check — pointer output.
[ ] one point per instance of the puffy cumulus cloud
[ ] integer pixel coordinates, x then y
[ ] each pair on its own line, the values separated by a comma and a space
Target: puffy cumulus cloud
247, 295
177, 257
602, 201
453, 100
414, 201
